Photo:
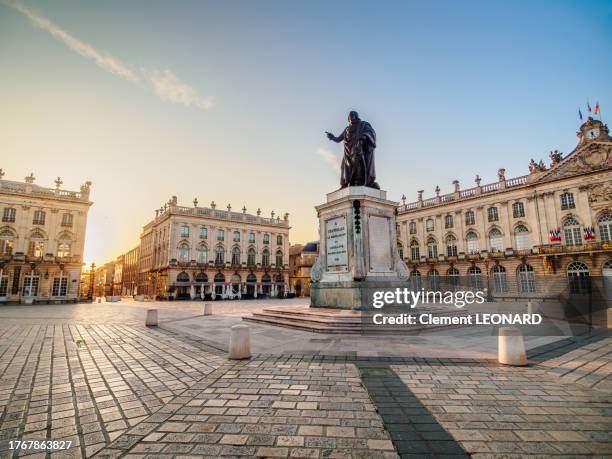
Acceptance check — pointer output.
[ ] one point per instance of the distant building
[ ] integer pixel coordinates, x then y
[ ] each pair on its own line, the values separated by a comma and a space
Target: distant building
187, 252
129, 278
104, 279
118, 276
42, 235
541, 233
301, 259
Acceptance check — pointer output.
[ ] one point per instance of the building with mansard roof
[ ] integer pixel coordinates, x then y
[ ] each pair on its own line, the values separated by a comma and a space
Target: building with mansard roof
204, 252
536, 234
42, 236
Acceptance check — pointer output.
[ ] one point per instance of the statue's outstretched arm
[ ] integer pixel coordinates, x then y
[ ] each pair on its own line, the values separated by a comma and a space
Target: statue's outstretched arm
330, 136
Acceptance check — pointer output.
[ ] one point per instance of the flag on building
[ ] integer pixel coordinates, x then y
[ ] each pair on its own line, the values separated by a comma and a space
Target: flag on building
554, 235
596, 108
589, 233
579, 113
588, 107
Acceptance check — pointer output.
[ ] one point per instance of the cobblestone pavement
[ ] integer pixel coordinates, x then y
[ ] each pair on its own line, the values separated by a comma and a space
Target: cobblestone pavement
89, 384
116, 388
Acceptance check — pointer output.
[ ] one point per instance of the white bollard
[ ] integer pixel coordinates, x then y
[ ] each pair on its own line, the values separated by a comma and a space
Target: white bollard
511, 347
151, 318
240, 342
207, 309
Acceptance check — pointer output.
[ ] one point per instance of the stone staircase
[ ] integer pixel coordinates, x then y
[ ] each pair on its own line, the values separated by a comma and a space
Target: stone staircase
331, 320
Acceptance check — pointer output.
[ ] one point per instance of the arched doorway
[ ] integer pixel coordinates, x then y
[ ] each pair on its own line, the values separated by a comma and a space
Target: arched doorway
219, 285
578, 279
266, 280
236, 279
251, 281
182, 286
280, 285
201, 279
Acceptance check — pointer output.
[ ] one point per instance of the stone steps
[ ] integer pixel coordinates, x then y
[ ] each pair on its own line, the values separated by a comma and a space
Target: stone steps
328, 320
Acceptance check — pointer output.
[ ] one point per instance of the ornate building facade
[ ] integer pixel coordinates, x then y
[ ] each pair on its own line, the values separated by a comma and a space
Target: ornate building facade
189, 252
534, 235
42, 236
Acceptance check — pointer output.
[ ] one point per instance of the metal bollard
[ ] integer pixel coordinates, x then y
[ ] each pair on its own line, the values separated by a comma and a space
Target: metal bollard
240, 343
151, 320
208, 309
511, 347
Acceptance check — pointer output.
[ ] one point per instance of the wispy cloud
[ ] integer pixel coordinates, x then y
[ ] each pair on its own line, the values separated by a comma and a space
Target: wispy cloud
163, 83
330, 158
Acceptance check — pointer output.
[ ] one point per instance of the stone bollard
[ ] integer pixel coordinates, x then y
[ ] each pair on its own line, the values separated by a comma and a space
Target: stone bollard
99, 300
530, 308
240, 342
151, 318
207, 309
511, 347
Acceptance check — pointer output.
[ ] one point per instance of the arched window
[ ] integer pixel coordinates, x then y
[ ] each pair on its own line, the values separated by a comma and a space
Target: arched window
266, 238
220, 234
606, 270
434, 279
265, 281
182, 277
39, 217
31, 281
279, 239
578, 277
185, 231
605, 227
518, 210
452, 277
8, 214
429, 224
220, 255
412, 228
475, 277
526, 278
492, 214
469, 218
202, 254
567, 201
203, 232
500, 283
235, 280
472, 242
451, 245
432, 248
495, 240
414, 250
251, 238
571, 231
448, 221
521, 238
236, 255
279, 258
415, 279
265, 257
36, 246
201, 278
236, 236
184, 252
219, 278
400, 249
251, 257
63, 249
60, 285
6, 241
251, 279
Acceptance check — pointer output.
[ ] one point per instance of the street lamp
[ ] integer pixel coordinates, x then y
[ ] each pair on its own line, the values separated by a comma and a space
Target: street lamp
92, 271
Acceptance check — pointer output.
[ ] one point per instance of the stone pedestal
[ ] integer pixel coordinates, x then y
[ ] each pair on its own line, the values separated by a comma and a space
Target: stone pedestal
358, 249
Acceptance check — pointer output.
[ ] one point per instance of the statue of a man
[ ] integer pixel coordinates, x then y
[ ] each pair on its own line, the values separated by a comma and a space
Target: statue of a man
358, 160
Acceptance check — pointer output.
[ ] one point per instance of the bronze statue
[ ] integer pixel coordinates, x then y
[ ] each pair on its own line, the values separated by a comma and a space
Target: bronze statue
358, 161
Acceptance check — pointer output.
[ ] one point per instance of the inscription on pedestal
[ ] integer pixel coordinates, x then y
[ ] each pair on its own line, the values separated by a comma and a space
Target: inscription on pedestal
336, 244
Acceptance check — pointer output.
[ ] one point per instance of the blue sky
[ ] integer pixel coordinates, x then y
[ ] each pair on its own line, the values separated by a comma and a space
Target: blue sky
452, 88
